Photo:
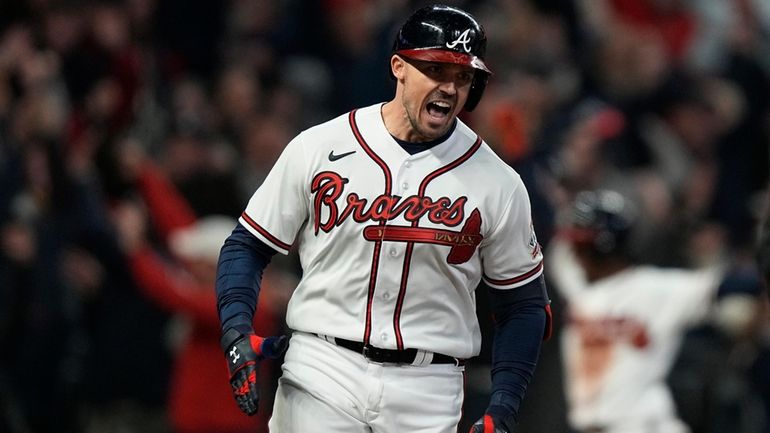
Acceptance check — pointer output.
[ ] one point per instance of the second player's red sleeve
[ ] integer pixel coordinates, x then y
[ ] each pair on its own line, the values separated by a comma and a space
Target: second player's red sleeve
168, 209
173, 292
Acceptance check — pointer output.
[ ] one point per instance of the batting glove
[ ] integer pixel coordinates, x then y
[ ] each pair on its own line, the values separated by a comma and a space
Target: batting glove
243, 353
490, 423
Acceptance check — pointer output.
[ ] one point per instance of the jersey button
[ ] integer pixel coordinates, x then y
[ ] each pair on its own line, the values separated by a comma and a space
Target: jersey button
386, 296
405, 186
408, 164
393, 253
384, 337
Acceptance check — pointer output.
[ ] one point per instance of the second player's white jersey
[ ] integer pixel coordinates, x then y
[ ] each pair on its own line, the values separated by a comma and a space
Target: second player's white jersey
393, 245
621, 337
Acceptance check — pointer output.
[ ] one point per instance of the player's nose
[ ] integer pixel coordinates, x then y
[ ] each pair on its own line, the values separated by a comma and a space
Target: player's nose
448, 87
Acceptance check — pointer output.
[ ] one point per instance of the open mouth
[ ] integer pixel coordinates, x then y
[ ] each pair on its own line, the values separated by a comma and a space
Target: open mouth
439, 109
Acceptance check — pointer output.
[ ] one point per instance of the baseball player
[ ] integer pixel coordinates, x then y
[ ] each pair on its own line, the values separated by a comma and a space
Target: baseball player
625, 321
398, 211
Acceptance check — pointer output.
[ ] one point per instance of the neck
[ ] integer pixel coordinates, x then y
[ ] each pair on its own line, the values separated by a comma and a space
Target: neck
397, 122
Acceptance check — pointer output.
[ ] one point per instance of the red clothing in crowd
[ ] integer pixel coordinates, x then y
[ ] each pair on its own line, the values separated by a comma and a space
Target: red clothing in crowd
675, 24
200, 398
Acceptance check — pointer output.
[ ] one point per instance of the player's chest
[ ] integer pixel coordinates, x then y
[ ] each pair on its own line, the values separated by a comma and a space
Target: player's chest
362, 188
597, 321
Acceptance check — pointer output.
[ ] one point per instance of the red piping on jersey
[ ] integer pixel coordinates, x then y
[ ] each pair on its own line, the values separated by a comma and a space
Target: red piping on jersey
410, 246
264, 232
377, 244
516, 279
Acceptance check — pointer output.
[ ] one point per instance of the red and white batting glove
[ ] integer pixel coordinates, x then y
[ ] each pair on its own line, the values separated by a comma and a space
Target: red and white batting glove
243, 353
491, 423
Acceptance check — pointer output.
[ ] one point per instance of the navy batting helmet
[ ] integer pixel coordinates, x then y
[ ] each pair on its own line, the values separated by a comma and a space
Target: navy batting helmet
604, 220
446, 34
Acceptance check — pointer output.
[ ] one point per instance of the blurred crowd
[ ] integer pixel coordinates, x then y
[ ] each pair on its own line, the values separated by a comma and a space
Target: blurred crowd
132, 131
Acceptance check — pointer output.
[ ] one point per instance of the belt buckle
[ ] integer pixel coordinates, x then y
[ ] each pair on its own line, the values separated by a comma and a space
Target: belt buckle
368, 352
376, 355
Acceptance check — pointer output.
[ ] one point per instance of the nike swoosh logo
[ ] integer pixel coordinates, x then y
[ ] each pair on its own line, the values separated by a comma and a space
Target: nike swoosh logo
333, 157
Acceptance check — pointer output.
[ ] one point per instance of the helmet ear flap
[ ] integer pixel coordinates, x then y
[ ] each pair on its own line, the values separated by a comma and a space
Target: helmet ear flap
478, 85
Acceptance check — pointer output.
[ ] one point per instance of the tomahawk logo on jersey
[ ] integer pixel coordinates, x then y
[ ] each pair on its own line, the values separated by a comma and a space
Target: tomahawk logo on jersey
365, 218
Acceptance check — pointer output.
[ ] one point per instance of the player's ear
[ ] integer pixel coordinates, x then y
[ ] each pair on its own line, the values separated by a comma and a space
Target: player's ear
397, 67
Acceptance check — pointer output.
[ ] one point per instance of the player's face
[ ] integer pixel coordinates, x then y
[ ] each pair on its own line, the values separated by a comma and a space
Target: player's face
432, 95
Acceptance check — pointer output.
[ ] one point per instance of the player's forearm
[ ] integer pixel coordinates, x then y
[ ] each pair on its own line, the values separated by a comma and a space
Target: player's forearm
514, 358
239, 274
520, 323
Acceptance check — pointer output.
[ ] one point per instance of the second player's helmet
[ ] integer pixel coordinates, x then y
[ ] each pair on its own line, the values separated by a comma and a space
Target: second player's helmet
604, 220
441, 33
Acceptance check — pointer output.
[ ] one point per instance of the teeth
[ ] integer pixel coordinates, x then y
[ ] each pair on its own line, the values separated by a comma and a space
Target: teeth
442, 104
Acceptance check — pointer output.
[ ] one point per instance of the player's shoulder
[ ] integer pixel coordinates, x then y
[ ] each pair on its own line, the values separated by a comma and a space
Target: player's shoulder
671, 278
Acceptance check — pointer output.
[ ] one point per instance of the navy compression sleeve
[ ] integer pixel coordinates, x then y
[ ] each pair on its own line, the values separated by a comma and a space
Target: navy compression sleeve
239, 274
520, 322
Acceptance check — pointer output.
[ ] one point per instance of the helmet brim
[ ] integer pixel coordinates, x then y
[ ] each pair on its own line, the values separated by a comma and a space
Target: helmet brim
445, 56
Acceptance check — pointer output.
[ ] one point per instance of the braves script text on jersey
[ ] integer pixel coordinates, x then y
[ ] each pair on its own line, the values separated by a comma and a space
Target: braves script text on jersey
393, 245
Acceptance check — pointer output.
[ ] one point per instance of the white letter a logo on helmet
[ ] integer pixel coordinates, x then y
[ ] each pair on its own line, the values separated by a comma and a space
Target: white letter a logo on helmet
464, 39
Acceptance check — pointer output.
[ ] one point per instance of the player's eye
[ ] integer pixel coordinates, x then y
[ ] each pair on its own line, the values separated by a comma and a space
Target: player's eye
434, 70
464, 78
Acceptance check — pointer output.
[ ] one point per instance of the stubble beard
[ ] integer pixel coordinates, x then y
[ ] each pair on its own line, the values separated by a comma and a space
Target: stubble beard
422, 133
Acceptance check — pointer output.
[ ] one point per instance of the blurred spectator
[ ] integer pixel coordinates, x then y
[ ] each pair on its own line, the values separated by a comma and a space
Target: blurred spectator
238, 98
70, 300
358, 37
203, 168
673, 20
189, 36
720, 377
263, 142
179, 276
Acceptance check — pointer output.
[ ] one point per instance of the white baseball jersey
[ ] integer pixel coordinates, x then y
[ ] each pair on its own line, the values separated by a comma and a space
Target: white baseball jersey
393, 245
621, 338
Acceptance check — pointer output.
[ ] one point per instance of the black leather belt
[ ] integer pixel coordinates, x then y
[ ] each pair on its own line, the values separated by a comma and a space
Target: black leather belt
391, 356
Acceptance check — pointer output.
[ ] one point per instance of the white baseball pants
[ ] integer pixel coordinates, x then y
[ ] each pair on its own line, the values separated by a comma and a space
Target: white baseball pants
326, 388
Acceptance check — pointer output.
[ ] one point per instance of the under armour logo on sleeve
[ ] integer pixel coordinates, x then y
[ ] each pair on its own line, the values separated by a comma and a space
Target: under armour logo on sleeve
234, 355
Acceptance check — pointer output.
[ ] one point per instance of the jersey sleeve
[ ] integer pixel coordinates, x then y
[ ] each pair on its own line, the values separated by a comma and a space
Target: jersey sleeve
690, 294
511, 255
563, 269
278, 208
